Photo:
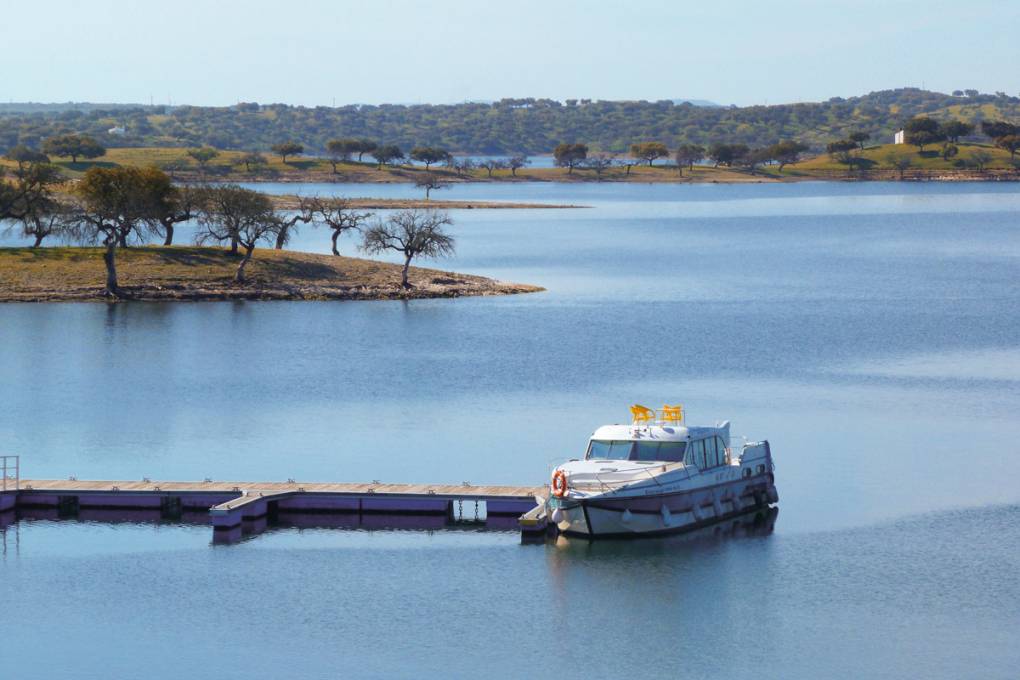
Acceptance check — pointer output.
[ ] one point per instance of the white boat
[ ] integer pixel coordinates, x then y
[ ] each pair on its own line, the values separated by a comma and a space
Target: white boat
658, 476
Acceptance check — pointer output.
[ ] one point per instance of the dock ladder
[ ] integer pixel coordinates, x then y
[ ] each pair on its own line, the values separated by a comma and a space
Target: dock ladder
10, 473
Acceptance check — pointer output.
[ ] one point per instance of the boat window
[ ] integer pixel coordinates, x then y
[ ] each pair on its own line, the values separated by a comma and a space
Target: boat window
711, 453
659, 451
699, 453
672, 451
618, 450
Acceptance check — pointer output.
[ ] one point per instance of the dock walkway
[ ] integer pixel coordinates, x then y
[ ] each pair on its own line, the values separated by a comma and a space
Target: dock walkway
237, 508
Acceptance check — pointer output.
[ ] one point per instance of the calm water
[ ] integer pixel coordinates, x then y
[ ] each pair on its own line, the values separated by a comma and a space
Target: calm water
870, 332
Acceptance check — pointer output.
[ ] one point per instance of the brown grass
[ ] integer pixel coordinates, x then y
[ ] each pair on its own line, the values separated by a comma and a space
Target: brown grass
202, 273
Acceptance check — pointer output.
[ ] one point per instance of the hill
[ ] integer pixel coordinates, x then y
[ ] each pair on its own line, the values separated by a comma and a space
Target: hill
510, 125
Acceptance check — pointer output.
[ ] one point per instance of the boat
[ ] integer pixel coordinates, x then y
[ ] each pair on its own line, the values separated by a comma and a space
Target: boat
656, 475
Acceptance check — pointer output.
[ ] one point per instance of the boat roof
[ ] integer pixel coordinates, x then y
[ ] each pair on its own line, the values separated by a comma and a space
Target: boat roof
663, 432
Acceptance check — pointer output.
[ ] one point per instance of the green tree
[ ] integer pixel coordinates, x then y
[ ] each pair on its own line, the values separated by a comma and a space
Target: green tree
413, 233
285, 149
340, 151
948, 151
688, 155
998, 128
859, 137
979, 159
203, 155
31, 190
786, 152
73, 146
569, 155
238, 216
253, 158
387, 153
429, 155
955, 129
1010, 143
922, 131
116, 203
22, 155
364, 146
649, 151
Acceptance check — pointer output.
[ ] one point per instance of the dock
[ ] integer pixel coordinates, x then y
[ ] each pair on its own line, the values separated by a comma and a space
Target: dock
235, 510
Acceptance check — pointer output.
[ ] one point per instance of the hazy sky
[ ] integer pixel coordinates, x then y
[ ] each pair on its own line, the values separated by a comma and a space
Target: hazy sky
312, 52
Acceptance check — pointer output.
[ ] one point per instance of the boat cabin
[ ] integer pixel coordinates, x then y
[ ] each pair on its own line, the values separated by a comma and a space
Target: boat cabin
703, 447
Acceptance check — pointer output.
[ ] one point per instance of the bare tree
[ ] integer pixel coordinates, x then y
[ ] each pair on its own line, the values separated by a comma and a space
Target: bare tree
303, 215
599, 162
240, 216
900, 161
339, 216
413, 233
43, 220
463, 166
517, 162
183, 204
431, 182
493, 164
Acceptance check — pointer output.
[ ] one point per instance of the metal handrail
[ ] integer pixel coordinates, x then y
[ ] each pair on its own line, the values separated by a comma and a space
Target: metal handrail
6, 465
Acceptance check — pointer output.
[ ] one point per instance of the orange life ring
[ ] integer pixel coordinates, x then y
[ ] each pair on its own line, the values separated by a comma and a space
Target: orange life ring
559, 483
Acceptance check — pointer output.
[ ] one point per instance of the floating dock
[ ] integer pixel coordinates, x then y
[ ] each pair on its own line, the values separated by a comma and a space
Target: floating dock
237, 509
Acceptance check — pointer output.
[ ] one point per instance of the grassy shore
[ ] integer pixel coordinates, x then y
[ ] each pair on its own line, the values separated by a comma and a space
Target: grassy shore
873, 163
199, 273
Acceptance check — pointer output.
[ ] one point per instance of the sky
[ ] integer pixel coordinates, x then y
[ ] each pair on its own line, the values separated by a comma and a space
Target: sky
317, 52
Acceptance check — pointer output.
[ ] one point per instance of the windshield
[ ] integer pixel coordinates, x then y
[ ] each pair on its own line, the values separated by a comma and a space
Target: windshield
647, 451
602, 450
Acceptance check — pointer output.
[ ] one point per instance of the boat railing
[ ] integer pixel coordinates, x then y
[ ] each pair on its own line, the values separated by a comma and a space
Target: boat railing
10, 473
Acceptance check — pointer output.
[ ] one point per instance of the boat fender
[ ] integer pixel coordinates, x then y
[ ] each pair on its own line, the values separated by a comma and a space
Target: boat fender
717, 505
626, 517
773, 495
696, 511
557, 515
666, 516
559, 484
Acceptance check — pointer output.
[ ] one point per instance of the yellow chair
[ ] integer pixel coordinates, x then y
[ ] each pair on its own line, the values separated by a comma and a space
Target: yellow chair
642, 414
673, 414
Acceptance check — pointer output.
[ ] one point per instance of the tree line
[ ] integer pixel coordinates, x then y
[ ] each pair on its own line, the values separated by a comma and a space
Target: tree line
524, 125
116, 207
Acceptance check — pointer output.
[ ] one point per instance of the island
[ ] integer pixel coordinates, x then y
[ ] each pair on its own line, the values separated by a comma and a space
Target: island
196, 273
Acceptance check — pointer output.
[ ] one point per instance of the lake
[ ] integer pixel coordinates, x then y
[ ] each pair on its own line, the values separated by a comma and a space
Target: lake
871, 332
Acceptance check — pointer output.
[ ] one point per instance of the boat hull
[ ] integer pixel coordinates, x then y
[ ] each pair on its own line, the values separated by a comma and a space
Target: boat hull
663, 514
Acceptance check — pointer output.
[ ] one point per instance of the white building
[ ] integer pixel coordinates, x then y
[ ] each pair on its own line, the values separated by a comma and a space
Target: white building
119, 131
900, 138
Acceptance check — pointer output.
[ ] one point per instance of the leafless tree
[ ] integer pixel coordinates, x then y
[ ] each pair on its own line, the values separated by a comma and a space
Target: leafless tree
183, 205
413, 233
463, 166
304, 215
517, 162
339, 216
599, 162
43, 220
431, 182
900, 161
240, 216
494, 164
